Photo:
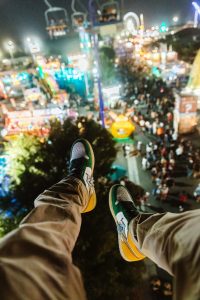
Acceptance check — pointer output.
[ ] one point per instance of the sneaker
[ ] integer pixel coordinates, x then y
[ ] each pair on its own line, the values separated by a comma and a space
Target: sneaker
82, 166
123, 211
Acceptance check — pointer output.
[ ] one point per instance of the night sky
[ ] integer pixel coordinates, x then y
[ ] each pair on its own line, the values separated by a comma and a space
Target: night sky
20, 18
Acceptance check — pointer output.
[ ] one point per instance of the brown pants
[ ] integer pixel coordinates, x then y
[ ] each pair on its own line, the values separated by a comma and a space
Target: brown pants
36, 263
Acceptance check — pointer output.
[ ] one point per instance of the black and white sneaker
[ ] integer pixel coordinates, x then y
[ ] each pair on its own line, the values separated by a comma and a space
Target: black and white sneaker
82, 166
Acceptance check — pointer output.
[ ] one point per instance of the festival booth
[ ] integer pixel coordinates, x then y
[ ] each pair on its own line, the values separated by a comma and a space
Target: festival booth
3, 94
193, 86
35, 122
188, 102
13, 83
33, 94
185, 113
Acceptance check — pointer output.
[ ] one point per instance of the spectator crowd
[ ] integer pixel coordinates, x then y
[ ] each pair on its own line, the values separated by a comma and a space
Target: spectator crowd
167, 156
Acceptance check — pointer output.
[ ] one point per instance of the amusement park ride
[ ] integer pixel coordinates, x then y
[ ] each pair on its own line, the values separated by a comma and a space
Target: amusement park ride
78, 18
58, 21
196, 14
110, 12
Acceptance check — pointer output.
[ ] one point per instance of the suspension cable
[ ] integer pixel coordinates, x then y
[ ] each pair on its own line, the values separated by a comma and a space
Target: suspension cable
73, 6
83, 6
47, 3
97, 2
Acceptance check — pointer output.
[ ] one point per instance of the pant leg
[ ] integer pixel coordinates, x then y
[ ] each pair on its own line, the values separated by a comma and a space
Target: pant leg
172, 241
35, 259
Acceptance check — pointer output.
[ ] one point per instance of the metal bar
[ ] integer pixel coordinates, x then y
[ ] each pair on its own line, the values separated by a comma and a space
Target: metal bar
96, 52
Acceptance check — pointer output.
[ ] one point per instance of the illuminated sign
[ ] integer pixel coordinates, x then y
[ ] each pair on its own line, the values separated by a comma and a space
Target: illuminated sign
70, 74
185, 114
188, 104
35, 122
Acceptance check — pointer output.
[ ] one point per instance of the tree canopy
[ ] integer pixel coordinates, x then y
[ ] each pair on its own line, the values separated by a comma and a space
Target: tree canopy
39, 163
185, 42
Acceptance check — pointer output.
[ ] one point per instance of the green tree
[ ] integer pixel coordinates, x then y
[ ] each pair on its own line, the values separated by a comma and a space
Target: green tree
185, 42
19, 151
36, 164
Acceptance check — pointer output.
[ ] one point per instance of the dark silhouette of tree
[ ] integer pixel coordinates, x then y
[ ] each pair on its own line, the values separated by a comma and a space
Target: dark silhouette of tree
185, 42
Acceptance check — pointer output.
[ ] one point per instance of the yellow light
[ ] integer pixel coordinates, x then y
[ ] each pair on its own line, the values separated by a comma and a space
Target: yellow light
147, 55
122, 127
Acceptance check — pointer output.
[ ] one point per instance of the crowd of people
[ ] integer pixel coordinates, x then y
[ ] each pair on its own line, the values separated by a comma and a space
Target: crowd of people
167, 156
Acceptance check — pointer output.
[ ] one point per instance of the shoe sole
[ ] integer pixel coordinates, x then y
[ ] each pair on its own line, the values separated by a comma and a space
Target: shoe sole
92, 200
127, 247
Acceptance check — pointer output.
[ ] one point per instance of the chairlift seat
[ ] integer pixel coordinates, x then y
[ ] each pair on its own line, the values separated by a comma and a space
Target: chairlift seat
78, 16
59, 26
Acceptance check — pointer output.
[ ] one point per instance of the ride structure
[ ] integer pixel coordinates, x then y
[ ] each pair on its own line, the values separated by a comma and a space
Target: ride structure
57, 21
188, 102
131, 22
196, 14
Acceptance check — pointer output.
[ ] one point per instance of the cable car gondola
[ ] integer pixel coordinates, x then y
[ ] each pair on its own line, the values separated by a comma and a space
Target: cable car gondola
110, 12
78, 19
57, 21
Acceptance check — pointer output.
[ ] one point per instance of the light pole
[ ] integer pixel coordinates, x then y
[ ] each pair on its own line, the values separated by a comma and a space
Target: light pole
11, 47
175, 19
32, 47
28, 40
92, 14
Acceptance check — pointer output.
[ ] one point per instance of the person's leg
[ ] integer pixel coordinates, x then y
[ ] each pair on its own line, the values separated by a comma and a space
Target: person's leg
170, 240
35, 259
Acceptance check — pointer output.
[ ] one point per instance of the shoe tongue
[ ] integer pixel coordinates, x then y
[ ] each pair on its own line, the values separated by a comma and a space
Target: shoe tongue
77, 162
128, 204
129, 209
75, 166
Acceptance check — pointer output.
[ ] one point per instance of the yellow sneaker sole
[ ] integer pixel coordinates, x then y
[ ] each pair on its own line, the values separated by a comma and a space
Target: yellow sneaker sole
92, 200
127, 247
